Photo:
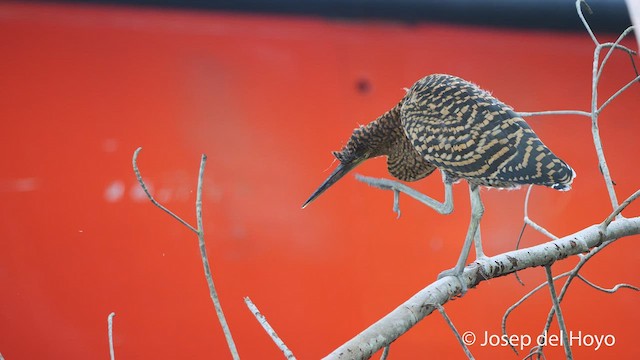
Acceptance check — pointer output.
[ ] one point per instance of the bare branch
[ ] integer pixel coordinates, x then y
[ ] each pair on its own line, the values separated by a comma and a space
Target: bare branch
265, 325
555, 112
579, 4
620, 208
205, 264
608, 291
597, 70
385, 353
618, 47
595, 132
112, 354
536, 350
524, 226
201, 243
455, 331
420, 305
396, 202
574, 272
613, 46
146, 191
523, 299
530, 222
559, 317
628, 85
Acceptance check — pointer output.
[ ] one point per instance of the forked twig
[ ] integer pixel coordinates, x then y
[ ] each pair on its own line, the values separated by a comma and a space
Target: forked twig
519, 302
572, 275
619, 210
575, 273
605, 290
622, 89
201, 243
455, 331
530, 222
153, 200
265, 325
559, 317
598, 68
579, 4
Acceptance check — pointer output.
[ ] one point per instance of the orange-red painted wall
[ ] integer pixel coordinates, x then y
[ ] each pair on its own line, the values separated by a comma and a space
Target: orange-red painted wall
267, 98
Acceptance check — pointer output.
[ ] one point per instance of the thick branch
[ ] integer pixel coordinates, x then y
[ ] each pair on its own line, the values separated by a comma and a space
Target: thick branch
405, 316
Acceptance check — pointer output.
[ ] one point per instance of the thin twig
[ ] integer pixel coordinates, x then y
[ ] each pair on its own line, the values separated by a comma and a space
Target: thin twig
622, 89
612, 48
633, 64
272, 333
530, 222
455, 331
618, 47
584, 21
396, 203
523, 299
595, 132
524, 226
559, 317
536, 350
554, 112
608, 291
205, 264
112, 354
597, 70
620, 208
153, 200
201, 243
385, 353
574, 273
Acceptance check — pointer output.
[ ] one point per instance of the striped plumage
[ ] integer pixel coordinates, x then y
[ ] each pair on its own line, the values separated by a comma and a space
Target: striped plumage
468, 133
446, 122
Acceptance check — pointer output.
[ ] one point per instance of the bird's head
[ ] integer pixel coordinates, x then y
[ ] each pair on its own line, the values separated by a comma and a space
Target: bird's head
381, 137
357, 150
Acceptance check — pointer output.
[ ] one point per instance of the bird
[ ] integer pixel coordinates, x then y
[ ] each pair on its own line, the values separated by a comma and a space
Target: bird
447, 123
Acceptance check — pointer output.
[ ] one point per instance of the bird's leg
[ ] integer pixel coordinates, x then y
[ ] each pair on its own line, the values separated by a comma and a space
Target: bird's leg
477, 242
445, 207
473, 235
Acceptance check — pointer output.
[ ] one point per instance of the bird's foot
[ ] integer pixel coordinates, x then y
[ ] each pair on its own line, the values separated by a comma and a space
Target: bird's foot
457, 273
484, 263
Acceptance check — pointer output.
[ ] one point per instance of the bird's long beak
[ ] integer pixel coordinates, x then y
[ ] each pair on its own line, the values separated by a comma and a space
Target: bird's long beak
337, 174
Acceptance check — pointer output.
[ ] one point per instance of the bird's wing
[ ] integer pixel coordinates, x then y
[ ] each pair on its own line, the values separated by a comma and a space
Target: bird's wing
470, 134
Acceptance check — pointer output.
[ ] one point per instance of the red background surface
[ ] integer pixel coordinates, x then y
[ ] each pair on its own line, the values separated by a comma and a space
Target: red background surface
267, 98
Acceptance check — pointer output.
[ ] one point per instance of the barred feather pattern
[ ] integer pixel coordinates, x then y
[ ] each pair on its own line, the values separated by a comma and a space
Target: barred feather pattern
385, 136
469, 134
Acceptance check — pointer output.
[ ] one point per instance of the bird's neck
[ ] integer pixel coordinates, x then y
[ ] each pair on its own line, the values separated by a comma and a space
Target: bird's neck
374, 139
